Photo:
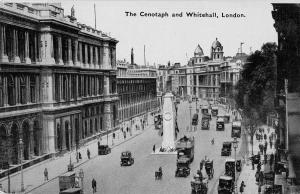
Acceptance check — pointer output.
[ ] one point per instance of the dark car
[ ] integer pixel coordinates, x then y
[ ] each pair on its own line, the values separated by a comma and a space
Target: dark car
255, 159
126, 158
183, 169
104, 149
226, 149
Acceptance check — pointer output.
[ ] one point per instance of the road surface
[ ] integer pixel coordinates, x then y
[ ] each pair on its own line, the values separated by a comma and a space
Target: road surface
139, 178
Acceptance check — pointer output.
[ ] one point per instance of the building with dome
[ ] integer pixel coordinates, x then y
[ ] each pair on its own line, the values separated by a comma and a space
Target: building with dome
208, 77
203, 73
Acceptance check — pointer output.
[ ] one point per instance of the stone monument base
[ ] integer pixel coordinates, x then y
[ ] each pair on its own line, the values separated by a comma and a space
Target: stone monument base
167, 152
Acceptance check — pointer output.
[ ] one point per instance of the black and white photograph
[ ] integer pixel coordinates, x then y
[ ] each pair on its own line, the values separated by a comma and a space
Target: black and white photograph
149, 97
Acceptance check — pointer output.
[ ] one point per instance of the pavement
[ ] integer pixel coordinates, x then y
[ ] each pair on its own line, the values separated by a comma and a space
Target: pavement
248, 175
34, 175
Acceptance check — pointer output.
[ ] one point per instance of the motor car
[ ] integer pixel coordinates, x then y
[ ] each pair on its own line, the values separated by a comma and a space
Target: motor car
104, 150
226, 149
126, 158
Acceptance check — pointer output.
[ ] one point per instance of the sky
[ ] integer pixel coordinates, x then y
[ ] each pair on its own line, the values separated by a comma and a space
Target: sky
175, 38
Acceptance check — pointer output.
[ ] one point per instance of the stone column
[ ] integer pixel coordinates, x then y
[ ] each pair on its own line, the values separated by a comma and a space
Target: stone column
27, 89
59, 49
48, 135
47, 49
86, 56
15, 49
80, 54
113, 58
107, 117
31, 140
106, 56
96, 58
3, 54
91, 62
70, 61
106, 85
47, 88
77, 97
76, 53
27, 59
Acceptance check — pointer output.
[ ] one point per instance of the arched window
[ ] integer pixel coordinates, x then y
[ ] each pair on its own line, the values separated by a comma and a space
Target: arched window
23, 98
11, 90
91, 127
32, 88
96, 124
1, 92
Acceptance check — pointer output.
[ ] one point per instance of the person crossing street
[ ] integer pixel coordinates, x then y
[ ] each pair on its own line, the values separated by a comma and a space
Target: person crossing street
94, 186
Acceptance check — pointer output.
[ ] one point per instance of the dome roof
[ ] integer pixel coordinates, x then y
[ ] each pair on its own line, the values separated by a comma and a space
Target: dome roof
198, 51
216, 44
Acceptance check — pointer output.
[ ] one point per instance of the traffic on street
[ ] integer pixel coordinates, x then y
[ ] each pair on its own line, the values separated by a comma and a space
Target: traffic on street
114, 175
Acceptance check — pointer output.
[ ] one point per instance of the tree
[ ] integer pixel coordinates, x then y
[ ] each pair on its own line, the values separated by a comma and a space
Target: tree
251, 122
256, 87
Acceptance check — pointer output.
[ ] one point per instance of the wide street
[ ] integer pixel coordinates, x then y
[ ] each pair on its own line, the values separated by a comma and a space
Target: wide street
139, 178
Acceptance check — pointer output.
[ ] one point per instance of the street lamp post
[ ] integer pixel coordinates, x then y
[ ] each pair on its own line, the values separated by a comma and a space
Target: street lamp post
235, 146
21, 161
81, 175
197, 110
190, 116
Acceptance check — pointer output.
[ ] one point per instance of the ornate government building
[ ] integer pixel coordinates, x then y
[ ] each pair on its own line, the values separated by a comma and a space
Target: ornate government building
57, 81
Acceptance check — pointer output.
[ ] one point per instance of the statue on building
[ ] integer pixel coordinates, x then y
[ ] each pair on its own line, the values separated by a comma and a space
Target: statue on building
72, 11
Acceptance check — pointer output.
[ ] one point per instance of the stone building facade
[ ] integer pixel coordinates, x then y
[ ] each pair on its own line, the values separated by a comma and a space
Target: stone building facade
287, 25
137, 92
57, 81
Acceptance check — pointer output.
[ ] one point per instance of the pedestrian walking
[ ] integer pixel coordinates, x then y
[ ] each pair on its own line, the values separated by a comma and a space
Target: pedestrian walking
94, 186
153, 148
124, 134
88, 153
271, 160
242, 187
257, 176
114, 135
46, 174
259, 189
265, 158
261, 178
265, 136
127, 129
79, 156
252, 161
259, 166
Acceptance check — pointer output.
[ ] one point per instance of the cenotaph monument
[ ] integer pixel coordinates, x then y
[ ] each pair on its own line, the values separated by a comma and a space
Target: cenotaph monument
168, 122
